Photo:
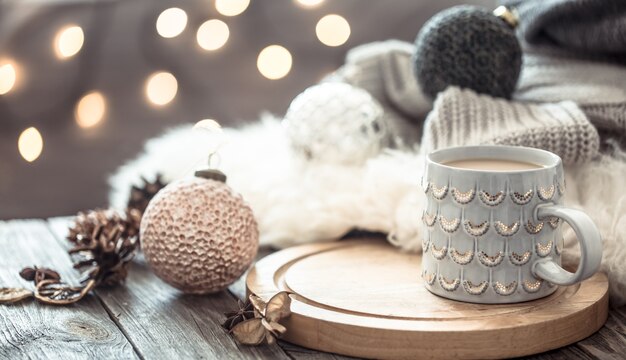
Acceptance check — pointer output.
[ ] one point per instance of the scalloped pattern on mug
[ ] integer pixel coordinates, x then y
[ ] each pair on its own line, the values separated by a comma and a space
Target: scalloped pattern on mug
476, 230
439, 193
520, 259
428, 278
532, 228
504, 289
425, 245
461, 258
475, 289
506, 230
463, 197
522, 199
546, 194
490, 261
543, 250
438, 253
449, 225
554, 222
531, 286
427, 188
429, 219
448, 285
491, 200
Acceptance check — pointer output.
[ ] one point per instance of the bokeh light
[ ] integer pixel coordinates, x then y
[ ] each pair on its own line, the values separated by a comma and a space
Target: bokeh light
68, 41
231, 7
90, 109
209, 125
171, 22
309, 3
161, 88
274, 62
333, 30
212, 34
30, 144
8, 77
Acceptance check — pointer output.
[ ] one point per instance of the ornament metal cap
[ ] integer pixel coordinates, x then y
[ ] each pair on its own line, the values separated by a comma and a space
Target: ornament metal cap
211, 174
509, 16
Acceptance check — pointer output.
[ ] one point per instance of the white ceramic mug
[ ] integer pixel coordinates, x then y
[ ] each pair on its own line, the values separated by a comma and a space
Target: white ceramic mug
495, 236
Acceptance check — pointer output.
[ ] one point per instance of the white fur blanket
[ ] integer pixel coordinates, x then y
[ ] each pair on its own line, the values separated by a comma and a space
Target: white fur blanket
296, 201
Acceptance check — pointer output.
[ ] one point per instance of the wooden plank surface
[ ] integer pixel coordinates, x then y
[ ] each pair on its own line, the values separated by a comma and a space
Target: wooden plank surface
610, 341
163, 323
147, 319
31, 330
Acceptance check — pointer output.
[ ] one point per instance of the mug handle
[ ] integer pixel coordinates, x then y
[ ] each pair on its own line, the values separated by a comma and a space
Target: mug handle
590, 246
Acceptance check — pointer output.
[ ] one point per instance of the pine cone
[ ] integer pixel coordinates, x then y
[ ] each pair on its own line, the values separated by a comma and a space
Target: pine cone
104, 245
86, 224
140, 196
133, 221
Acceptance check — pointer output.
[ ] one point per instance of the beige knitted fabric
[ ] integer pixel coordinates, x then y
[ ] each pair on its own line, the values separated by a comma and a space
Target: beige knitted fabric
384, 70
462, 117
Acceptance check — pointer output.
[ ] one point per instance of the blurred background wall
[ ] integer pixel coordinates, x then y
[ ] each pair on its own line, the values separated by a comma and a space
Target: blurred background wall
55, 53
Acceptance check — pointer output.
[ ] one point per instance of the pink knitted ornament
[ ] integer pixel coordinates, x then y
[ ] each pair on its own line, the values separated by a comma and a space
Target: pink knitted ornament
198, 235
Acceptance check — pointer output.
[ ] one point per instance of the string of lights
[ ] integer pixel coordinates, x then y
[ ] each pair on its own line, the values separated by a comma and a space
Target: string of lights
274, 61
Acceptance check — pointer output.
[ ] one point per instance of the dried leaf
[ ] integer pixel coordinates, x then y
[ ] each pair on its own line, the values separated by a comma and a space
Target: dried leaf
46, 274
275, 328
278, 307
271, 340
56, 293
249, 332
12, 295
265, 325
245, 312
258, 303
37, 275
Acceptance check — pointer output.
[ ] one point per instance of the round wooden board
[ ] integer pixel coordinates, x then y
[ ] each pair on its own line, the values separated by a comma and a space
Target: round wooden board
365, 298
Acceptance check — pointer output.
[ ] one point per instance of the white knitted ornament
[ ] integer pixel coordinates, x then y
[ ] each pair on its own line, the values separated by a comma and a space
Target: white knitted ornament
336, 122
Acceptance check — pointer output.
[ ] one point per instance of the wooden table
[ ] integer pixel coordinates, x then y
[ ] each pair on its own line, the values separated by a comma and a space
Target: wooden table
147, 319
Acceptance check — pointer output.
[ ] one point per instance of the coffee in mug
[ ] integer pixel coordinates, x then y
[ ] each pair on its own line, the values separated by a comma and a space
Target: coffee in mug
492, 165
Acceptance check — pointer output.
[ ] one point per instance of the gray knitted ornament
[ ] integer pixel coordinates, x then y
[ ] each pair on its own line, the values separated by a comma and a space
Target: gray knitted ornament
467, 46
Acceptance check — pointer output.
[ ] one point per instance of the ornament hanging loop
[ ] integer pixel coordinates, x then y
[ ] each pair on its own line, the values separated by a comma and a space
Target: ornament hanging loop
214, 159
211, 172
509, 16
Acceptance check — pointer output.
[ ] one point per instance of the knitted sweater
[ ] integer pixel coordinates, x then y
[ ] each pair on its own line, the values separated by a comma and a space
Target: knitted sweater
551, 78
595, 28
598, 87
462, 117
